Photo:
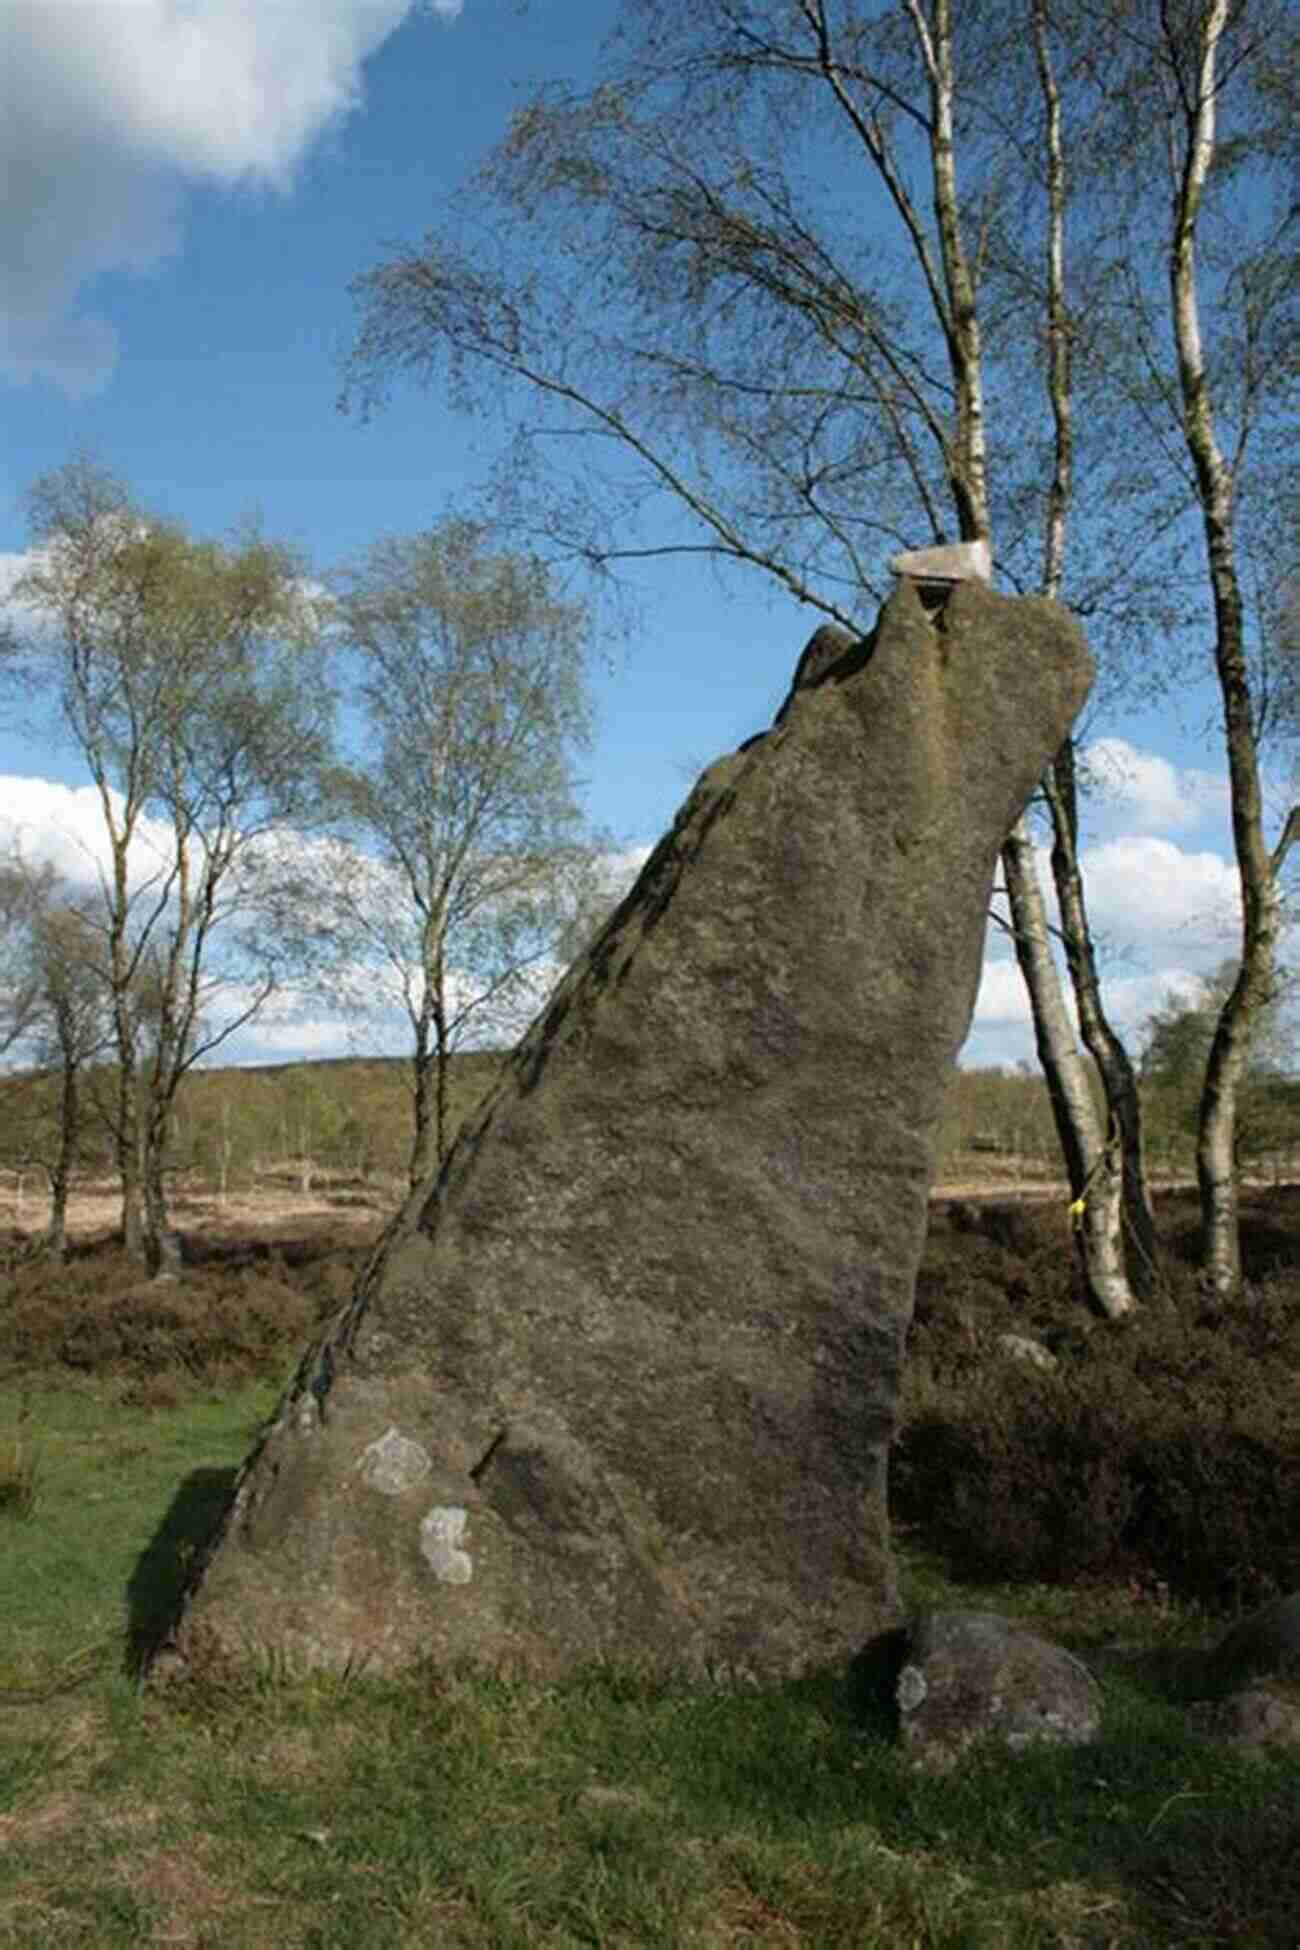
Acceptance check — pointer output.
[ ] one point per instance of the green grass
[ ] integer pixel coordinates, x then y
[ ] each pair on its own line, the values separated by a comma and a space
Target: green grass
607, 1811
87, 1563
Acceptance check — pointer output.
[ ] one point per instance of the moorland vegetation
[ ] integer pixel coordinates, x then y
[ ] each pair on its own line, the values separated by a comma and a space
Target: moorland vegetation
1137, 1496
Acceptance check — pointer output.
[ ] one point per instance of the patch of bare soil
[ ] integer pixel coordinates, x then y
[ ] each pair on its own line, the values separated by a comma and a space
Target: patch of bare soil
1010, 1191
95, 1211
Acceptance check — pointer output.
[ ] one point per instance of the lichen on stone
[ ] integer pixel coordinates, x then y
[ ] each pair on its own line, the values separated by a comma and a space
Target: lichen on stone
440, 1536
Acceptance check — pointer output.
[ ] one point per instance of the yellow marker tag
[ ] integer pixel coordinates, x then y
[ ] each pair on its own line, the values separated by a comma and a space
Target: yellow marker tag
1078, 1209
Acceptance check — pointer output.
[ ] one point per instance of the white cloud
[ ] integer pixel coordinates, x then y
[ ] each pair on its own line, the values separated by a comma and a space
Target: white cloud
1002, 997
113, 106
1147, 895
12, 565
294, 1028
62, 826
624, 864
1162, 917
1138, 789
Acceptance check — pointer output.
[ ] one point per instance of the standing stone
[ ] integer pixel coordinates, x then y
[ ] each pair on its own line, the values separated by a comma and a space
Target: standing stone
621, 1381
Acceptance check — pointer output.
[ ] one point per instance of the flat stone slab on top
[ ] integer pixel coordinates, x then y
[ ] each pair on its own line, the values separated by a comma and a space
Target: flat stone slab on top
946, 562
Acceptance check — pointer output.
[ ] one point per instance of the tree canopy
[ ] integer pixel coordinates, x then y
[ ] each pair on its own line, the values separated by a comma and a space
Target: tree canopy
469, 858
187, 676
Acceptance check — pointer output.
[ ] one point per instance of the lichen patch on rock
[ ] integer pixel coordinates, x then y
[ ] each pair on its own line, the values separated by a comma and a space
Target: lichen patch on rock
440, 1539
393, 1463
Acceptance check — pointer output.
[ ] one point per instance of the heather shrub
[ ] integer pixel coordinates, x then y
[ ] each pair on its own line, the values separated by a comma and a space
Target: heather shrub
225, 1319
1165, 1449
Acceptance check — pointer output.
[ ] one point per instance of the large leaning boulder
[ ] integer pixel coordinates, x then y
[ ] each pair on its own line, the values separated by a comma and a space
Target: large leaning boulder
621, 1381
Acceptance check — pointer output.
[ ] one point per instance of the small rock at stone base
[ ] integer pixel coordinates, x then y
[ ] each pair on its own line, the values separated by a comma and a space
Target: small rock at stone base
1252, 1720
1032, 1353
1268, 1641
969, 1676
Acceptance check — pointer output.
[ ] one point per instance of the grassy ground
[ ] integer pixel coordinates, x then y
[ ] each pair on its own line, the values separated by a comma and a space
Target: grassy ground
454, 1810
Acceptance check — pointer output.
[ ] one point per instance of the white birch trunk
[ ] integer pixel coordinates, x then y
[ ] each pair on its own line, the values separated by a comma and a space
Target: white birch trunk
1257, 869
1092, 1162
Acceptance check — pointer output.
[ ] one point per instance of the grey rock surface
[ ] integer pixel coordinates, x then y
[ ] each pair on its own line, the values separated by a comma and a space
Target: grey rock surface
1253, 1720
622, 1380
1264, 1643
945, 562
970, 1676
1031, 1353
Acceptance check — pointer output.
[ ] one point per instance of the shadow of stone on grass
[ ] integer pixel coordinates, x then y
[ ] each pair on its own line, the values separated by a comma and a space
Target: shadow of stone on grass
157, 1584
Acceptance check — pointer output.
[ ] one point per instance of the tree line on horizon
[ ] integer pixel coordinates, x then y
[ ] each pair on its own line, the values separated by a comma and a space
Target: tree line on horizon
342, 1126
1068, 330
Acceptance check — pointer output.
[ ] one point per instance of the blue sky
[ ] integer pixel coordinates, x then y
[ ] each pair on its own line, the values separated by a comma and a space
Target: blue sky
189, 191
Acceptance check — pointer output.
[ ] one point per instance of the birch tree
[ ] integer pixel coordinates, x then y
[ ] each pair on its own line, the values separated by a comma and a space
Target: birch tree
468, 858
1102, 1146
1192, 54
23, 894
749, 279
1197, 102
187, 676
54, 1017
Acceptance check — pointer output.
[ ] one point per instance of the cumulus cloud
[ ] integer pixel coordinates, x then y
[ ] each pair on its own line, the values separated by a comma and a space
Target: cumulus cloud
1149, 896
357, 1000
13, 564
620, 868
1163, 917
1002, 997
111, 110
297, 1026
1138, 789
1002, 1030
62, 826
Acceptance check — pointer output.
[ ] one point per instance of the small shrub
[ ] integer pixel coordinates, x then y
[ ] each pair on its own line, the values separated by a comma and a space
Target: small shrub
220, 1323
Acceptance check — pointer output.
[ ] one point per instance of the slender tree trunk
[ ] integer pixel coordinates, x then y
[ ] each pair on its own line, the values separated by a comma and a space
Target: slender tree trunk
1257, 869
1118, 1080
1114, 1234
1091, 1158
443, 1056
424, 1151
1261, 925
959, 318
426, 1078
432, 1059
127, 1145
127, 1132
56, 1233
161, 1242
